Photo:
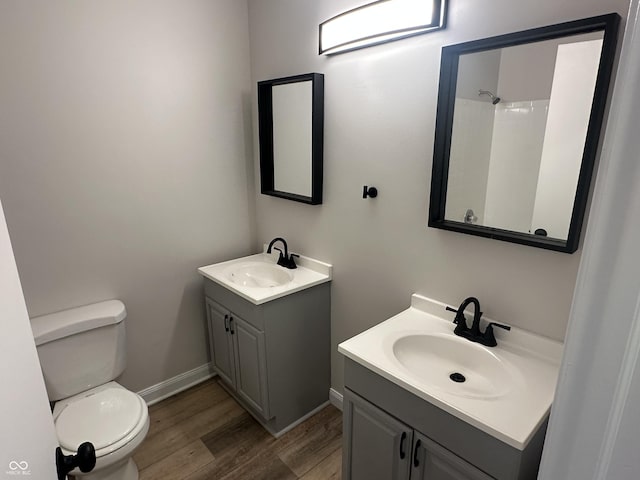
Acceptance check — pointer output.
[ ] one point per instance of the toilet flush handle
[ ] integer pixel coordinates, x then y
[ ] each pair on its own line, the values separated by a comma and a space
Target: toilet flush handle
85, 460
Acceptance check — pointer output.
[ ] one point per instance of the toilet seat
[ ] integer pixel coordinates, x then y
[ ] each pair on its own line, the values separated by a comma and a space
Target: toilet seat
108, 417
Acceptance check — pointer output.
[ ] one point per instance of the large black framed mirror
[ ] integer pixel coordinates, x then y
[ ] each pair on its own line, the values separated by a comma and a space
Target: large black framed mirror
517, 130
291, 125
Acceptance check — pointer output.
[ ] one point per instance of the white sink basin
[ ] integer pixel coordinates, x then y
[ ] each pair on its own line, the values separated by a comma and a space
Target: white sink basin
259, 279
507, 390
453, 364
258, 274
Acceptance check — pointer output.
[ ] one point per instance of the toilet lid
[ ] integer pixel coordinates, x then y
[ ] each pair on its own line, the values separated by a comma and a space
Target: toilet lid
103, 419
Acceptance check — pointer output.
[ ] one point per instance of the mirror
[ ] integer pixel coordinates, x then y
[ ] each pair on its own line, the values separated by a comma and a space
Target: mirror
517, 130
290, 120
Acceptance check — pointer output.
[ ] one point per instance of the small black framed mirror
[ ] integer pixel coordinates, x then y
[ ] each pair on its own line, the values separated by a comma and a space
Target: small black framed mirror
517, 130
291, 126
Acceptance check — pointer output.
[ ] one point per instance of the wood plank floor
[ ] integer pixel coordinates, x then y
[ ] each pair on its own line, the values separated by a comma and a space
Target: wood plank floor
202, 433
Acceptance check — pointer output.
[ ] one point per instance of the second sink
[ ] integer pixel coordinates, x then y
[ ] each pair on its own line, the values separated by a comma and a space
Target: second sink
452, 364
258, 274
507, 389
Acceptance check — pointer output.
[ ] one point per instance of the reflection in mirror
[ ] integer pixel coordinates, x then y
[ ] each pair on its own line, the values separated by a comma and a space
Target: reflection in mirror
292, 138
517, 130
526, 141
290, 112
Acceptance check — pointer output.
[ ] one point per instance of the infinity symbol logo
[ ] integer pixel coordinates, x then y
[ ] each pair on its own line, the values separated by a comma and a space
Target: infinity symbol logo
13, 465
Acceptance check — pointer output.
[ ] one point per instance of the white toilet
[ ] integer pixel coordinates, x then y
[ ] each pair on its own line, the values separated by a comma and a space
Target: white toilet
81, 352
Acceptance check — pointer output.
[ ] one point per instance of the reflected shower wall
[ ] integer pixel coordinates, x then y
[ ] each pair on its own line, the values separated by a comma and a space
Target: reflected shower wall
495, 160
469, 158
518, 139
515, 160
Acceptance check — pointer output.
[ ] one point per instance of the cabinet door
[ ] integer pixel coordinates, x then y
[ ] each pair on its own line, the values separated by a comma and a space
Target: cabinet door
430, 461
251, 365
376, 445
220, 341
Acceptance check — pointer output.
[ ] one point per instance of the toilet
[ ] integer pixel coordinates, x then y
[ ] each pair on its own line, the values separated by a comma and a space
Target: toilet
82, 352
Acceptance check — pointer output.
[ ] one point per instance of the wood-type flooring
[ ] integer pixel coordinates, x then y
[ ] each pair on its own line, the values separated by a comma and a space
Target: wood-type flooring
202, 433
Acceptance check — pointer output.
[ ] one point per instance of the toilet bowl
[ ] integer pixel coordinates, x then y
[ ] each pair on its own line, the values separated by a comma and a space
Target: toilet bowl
115, 419
81, 353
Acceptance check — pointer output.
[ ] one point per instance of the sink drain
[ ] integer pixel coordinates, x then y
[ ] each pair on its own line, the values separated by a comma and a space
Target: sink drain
457, 377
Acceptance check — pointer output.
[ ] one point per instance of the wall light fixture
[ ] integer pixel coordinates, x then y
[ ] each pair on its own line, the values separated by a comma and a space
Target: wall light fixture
380, 22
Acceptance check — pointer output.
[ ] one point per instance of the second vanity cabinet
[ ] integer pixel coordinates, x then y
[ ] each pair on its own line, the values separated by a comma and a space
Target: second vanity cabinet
380, 446
272, 357
422, 403
391, 434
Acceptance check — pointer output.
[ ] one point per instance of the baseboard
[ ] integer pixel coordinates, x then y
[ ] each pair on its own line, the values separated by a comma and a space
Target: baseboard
177, 384
335, 397
297, 422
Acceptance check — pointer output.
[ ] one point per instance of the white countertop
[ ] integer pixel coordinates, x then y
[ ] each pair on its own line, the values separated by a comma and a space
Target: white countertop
532, 363
309, 273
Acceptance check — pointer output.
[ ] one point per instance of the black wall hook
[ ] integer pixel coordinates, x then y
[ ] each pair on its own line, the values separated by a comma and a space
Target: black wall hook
371, 192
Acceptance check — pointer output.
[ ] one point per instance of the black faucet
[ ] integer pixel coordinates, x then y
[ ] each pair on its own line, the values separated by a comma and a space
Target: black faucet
473, 334
284, 260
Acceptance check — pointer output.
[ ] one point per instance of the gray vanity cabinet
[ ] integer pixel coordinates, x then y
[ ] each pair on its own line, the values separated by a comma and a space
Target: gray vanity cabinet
251, 377
432, 462
273, 358
380, 447
377, 444
238, 355
221, 343
390, 433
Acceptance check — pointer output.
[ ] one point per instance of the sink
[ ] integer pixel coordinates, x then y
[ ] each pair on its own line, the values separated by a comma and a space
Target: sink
452, 364
258, 279
258, 274
507, 389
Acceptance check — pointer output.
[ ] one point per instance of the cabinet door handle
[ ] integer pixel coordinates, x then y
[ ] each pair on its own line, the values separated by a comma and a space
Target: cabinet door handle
416, 449
402, 440
231, 325
226, 323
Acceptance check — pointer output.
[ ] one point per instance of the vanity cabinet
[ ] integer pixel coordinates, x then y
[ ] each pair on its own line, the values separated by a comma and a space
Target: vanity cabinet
238, 355
273, 358
379, 446
376, 444
391, 434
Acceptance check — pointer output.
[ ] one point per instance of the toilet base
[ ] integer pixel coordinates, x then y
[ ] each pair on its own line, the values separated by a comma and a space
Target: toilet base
127, 470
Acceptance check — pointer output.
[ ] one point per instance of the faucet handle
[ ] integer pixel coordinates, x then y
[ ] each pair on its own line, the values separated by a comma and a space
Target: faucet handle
287, 262
494, 324
460, 320
281, 260
488, 335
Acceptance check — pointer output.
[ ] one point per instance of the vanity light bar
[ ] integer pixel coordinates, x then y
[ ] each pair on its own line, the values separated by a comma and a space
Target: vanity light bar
380, 22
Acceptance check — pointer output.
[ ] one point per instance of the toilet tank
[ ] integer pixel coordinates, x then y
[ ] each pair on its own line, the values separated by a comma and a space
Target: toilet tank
80, 348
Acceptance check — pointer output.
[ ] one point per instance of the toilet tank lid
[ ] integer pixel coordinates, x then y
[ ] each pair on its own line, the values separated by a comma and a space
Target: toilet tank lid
54, 326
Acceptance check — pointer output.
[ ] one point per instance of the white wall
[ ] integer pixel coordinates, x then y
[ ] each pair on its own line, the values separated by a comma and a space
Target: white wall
469, 159
516, 147
526, 71
28, 439
594, 430
472, 131
380, 106
124, 154
574, 81
478, 71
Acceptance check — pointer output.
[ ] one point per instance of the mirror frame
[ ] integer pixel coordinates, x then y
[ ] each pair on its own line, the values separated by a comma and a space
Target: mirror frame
444, 125
265, 125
